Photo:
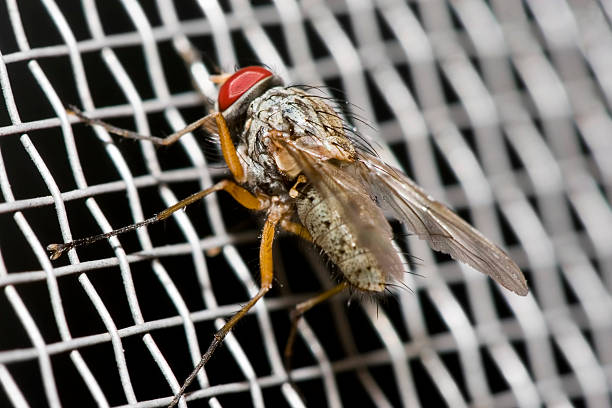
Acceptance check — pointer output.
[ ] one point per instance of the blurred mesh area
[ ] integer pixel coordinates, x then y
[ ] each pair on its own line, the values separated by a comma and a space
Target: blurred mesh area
499, 108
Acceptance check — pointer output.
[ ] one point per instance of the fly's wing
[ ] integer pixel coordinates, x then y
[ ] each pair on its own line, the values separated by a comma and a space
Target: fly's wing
435, 223
345, 193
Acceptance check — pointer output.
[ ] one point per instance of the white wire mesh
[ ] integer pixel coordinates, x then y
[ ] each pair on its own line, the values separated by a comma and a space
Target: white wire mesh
500, 108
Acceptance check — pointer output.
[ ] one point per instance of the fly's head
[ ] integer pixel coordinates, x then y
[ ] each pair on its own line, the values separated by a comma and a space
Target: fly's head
239, 90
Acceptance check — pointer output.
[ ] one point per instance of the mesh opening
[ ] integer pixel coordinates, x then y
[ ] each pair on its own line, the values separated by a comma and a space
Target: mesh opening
501, 109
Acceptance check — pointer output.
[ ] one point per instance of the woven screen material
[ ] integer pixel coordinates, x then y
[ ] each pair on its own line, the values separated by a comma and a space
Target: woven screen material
499, 108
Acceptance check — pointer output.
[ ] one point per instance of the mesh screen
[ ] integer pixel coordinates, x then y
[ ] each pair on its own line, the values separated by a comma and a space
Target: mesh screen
499, 108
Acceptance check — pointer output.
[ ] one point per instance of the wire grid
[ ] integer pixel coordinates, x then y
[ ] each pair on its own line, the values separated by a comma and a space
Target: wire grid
499, 108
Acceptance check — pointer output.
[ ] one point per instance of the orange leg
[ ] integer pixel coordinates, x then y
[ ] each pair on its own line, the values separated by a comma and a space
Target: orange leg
244, 198
266, 269
230, 155
241, 195
297, 229
229, 150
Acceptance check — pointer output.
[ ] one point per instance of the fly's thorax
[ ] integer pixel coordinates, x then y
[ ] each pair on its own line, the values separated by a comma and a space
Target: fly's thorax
262, 174
324, 223
308, 122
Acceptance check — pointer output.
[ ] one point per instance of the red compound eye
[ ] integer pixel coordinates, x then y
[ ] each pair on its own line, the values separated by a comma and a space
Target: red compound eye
239, 83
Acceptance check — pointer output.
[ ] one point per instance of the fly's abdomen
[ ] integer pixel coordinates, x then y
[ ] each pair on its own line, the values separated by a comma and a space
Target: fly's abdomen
328, 231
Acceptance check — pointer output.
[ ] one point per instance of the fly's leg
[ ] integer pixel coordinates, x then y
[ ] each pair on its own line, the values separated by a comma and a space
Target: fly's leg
229, 150
293, 193
294, 227
241, 195
266, 268
230, 155
297, 314
192, 59
297, 229
214, 122
206, 122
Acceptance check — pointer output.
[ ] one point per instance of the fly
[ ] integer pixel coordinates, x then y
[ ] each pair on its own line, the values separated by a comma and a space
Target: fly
295, 162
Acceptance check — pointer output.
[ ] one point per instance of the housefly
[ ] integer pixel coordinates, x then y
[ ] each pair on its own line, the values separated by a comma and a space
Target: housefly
292, 158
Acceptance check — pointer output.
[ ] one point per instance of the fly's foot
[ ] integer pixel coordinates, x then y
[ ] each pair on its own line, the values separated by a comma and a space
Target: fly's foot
57, 250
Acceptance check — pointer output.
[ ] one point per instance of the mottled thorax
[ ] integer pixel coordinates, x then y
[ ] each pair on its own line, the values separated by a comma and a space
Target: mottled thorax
307, 122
